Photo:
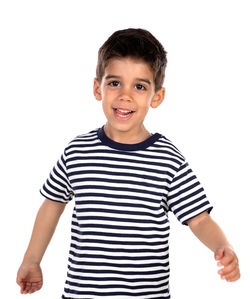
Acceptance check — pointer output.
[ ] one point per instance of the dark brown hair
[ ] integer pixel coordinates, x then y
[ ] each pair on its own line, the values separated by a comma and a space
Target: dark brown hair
136, 43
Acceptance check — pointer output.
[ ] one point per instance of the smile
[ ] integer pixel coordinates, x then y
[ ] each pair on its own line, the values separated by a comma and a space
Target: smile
123, 115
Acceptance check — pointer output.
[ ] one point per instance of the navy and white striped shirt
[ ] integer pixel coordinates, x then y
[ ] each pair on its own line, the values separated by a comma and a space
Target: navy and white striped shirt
120, 227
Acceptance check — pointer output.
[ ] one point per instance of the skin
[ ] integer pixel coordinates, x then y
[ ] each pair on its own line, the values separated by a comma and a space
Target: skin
29, 275
209, 233
125, 92
129, 93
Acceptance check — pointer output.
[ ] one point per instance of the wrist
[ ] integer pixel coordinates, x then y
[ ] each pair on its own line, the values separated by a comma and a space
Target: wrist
31, 259
225, 246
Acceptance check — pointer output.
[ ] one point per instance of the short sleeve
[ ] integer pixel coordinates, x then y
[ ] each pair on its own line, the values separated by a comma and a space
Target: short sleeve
186, 197
57, 186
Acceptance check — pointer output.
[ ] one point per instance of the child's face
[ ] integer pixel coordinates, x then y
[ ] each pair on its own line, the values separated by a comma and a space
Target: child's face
127, 84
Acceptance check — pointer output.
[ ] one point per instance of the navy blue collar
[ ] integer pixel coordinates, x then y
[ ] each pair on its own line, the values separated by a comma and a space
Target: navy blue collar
126, 146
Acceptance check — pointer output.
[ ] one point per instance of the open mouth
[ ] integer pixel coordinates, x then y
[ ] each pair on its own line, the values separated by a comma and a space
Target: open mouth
123, 114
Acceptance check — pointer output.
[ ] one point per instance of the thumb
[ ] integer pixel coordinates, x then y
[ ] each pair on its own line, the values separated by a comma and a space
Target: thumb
21, 275
219, 253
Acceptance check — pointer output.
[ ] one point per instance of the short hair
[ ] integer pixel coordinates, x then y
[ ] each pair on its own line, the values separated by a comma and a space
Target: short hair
136, 43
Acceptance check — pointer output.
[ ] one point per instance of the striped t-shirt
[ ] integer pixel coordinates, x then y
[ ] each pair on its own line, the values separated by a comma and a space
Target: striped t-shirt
120, 228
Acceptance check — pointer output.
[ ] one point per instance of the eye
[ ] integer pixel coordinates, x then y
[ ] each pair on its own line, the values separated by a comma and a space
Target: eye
113, 83
141, 87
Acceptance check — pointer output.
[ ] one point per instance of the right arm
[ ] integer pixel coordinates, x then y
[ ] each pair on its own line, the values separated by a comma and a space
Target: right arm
29, 276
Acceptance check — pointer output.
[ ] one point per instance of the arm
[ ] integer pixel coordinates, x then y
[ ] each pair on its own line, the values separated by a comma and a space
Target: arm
29, 276
209, 233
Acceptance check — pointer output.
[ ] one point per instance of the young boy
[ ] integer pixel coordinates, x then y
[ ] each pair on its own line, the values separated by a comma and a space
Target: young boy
124, 181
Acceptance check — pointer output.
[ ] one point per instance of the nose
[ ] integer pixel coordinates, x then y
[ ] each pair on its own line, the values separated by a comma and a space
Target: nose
125, 94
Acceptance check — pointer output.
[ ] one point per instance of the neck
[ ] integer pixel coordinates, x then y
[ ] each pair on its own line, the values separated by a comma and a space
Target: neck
125, 136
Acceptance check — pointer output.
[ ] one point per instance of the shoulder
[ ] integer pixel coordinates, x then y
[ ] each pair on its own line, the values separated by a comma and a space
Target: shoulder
167, 147
82, 140
86, 136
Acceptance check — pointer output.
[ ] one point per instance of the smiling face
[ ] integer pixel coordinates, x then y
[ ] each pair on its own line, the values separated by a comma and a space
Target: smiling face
127, 92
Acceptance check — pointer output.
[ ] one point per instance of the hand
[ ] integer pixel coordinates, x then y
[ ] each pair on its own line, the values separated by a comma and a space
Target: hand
226, 257
29, 278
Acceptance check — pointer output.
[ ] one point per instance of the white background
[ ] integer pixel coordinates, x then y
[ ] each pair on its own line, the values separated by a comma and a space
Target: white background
48, 57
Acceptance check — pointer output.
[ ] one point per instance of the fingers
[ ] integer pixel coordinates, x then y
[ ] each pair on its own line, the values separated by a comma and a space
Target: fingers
29, 278
30, 287
230, 271
233, 276
20, 282
226, 260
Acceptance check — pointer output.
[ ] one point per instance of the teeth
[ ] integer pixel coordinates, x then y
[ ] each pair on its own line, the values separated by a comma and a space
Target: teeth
124, 111
123, 115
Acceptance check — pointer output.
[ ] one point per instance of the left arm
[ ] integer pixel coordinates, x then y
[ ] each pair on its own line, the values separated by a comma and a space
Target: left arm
209, 233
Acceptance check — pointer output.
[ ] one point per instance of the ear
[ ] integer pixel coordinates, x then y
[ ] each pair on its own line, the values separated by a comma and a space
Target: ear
97, 90
158, 98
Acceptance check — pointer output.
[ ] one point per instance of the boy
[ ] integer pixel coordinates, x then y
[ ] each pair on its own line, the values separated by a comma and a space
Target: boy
124, 181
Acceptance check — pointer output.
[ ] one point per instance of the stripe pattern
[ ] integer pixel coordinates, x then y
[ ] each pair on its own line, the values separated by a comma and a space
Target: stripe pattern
120, 227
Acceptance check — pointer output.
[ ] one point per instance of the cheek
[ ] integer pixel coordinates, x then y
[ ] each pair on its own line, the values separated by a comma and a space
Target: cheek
147, 103
108, 94
144, 109
104, 105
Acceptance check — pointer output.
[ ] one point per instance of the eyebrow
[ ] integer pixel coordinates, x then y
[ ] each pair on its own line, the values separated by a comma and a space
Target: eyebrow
119, 77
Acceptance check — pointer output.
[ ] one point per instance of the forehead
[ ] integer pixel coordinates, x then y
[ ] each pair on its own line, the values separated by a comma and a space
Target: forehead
129, 66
